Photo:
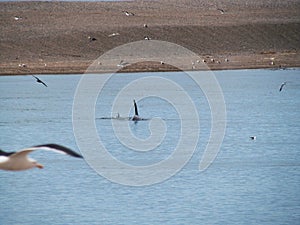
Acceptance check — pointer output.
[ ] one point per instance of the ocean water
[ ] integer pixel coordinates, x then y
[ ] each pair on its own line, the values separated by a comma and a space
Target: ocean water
249, 182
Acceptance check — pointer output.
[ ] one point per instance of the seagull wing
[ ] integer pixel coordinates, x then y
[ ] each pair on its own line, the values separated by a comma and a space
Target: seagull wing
35, 77
56, 148
3, 153
21, 154
43, 83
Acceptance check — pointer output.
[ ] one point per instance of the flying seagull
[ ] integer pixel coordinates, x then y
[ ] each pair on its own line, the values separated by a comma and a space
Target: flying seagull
17, 161
39, 81
253, 137
282, 85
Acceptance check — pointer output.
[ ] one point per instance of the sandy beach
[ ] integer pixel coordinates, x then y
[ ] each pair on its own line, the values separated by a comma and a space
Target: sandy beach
53, 37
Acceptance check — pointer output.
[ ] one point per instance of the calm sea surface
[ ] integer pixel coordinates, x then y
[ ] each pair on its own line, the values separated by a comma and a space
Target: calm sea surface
250, 181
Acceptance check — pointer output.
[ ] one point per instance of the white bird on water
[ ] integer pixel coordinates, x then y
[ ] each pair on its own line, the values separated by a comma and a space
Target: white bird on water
17, 161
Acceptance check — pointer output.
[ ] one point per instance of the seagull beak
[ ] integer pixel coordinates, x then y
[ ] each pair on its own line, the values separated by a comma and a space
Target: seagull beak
40, 166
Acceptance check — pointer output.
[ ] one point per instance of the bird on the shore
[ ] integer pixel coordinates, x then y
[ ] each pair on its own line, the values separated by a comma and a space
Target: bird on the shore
39, 80
91, 38
22, 65
128, 13
253, 137
145, 25
18, 17
113, 34
221, 10
193, 65
17, 161
282, 85
123, 63
147, 38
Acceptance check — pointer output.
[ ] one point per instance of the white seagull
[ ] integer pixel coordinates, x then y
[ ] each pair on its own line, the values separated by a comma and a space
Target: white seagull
282, 85
92, 38
123, 63
18, 17
221, 10
113, 34
128, 13
17, 161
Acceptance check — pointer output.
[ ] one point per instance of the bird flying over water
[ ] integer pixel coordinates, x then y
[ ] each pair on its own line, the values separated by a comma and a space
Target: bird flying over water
17, 161
282, 85
39, 81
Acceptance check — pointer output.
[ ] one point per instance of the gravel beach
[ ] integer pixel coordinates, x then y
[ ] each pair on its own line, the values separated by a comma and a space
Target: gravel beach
66, 37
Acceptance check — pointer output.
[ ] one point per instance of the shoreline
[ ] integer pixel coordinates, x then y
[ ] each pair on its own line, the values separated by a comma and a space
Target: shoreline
52, 37
236, 62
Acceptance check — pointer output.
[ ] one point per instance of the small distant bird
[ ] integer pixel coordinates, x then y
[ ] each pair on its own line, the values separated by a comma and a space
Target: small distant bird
282, 85
123, 63
18, 17
147, 38
128, 13
113, 34
22, 65
145, 25
39, 80
193, 65
221, 10
92, 38
17, 161
253, 137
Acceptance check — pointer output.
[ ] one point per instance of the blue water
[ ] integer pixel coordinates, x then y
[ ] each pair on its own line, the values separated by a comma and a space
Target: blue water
250, 182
